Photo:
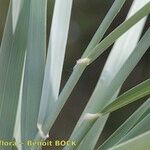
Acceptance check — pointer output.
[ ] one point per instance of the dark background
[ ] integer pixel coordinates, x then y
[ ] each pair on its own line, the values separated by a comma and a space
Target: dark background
86, 17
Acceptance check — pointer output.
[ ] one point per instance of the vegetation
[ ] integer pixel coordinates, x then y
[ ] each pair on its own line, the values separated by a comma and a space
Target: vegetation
30, 76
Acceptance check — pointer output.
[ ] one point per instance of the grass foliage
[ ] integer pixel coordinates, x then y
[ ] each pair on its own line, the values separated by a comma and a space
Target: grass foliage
30, 76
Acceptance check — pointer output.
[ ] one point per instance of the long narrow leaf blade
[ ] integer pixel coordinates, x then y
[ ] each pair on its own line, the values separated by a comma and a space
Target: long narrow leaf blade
140, 142
122, 43
125, 127
11, 64
112, 37
85, 122
17, 128
140, 128
87, 142
16, 7
127, 42
128, 97
115, 8
34, 70
55, 59
81, 64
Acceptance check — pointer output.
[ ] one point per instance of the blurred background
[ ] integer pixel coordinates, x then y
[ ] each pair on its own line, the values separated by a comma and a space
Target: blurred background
86, 17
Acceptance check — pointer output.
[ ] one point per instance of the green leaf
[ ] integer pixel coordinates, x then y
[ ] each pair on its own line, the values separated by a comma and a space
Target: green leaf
140, 142
141, 127
16, 7
122, 43
11, 65
115, 8
125, 127
113, 36
144, 115
54, 63
34, 70
126, 43
17, 128
83, 62
95, 131
128, 97
93, 107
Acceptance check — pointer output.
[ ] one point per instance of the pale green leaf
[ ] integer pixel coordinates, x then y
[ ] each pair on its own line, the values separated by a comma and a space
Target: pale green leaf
113, 36
16, 7
127, 42
11, 64
34, 70
128, 97
93, 107
141, 127
82, 63
17, 128
115, 8
140, 142
125, 127
95, 131
55, 60
144, 115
